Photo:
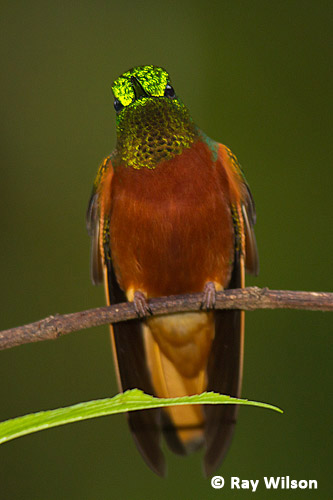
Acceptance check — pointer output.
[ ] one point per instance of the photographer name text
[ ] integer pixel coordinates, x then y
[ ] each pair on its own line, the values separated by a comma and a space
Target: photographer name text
270, 483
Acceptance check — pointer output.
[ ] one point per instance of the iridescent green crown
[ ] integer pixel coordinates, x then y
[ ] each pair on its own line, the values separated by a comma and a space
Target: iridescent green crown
152, 79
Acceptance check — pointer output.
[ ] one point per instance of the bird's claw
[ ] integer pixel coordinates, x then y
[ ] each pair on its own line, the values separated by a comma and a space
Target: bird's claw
141, 306
209, 296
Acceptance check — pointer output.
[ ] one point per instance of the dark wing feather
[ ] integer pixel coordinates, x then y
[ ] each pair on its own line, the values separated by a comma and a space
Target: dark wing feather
92, 223
133, 373
224, 376
249, 217
171, 435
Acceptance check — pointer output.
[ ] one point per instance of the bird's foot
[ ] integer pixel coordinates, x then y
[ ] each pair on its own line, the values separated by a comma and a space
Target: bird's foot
141, 306
209, 296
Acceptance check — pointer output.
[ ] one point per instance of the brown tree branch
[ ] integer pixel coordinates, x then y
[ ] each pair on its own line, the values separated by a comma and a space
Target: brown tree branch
247, 299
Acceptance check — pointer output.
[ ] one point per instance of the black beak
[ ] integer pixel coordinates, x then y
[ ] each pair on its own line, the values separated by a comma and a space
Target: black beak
138, 89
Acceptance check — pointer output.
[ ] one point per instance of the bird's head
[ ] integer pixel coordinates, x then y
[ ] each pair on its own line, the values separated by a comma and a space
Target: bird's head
152, 122
141, 85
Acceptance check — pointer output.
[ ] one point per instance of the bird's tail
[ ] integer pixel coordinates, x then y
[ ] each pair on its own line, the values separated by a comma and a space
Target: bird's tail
183, 425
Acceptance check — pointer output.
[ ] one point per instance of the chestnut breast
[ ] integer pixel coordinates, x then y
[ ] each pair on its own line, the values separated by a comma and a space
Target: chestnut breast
171, 227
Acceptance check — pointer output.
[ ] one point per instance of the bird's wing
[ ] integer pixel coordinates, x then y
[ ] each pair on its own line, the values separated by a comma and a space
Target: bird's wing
248, 213
93, 228
225, 363
127, 339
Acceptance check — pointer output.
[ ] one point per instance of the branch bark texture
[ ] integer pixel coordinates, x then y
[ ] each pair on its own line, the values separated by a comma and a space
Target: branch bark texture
247, 299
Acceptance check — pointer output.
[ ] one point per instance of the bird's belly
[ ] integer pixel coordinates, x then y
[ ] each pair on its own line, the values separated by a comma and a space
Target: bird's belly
172, 248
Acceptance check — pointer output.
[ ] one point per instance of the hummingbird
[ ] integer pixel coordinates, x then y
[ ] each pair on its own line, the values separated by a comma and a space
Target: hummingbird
171, 213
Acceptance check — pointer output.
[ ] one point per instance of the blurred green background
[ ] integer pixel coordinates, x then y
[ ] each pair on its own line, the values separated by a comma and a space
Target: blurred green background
256, 76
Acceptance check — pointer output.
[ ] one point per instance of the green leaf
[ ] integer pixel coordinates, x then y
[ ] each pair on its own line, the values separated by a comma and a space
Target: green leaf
131, 400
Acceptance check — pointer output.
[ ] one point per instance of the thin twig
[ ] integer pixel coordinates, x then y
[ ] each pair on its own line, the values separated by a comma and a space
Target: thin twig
247, 299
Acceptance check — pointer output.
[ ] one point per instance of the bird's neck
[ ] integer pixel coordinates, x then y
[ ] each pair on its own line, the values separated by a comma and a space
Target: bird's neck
154, 130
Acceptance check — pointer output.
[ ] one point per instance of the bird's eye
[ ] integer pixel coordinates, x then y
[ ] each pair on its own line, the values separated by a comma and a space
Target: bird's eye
117, 105
169, 91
